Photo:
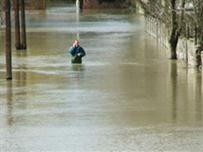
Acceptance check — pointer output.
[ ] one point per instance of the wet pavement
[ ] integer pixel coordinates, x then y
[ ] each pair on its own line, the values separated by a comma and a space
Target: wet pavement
126, 96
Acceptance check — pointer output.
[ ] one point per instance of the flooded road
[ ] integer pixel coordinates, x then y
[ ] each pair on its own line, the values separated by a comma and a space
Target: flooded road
126, 96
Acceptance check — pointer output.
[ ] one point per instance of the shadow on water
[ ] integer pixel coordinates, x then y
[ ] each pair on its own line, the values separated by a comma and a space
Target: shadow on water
78, 67
198, 95
21, 74
78, 70
174, 75
9, 102
186, 97
16, 94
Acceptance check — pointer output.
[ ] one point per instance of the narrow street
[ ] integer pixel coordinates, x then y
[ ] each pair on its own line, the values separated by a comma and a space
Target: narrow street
126, 96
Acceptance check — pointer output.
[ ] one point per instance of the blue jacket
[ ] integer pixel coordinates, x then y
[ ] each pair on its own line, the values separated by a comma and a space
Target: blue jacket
75, 50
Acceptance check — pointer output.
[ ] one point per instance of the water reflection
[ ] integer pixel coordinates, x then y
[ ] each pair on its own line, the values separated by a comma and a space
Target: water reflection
78, 70
9, 103
186, 95
21, 53
16, 94
78, 67
198, 95
21, 74
173, 82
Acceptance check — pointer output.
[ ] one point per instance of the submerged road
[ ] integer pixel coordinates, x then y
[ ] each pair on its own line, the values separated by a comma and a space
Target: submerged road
126, 96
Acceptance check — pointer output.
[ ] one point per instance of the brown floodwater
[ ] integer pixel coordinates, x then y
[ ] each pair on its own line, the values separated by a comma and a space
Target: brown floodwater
126, 96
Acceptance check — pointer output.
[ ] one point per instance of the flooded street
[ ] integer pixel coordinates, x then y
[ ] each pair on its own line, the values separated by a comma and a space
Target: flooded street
126, 96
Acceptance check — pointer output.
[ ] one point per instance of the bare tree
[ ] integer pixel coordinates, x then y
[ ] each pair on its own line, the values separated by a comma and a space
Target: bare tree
177, 19
17, 24
170, 13
23, 25
8, 53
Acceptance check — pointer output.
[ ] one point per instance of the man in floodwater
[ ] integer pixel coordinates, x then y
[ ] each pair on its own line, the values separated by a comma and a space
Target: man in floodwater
77, 52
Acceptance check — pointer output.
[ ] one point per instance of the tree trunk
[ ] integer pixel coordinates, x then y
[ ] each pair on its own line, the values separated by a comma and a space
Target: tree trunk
174, 32
173, 51
17, 24
173, 43
198, 57
81, 4
8, 54
23, 25
200, 47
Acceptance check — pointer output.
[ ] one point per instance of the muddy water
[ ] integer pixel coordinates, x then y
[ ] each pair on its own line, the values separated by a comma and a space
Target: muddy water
126, 96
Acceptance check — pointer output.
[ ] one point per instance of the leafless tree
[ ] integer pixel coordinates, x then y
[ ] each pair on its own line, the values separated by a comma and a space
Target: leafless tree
170, 13
177, 20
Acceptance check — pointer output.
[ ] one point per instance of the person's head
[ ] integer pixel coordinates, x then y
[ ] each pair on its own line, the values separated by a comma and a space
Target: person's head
76, 42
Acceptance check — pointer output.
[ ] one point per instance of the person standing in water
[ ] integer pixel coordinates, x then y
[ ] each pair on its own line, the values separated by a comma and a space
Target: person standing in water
77, 52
